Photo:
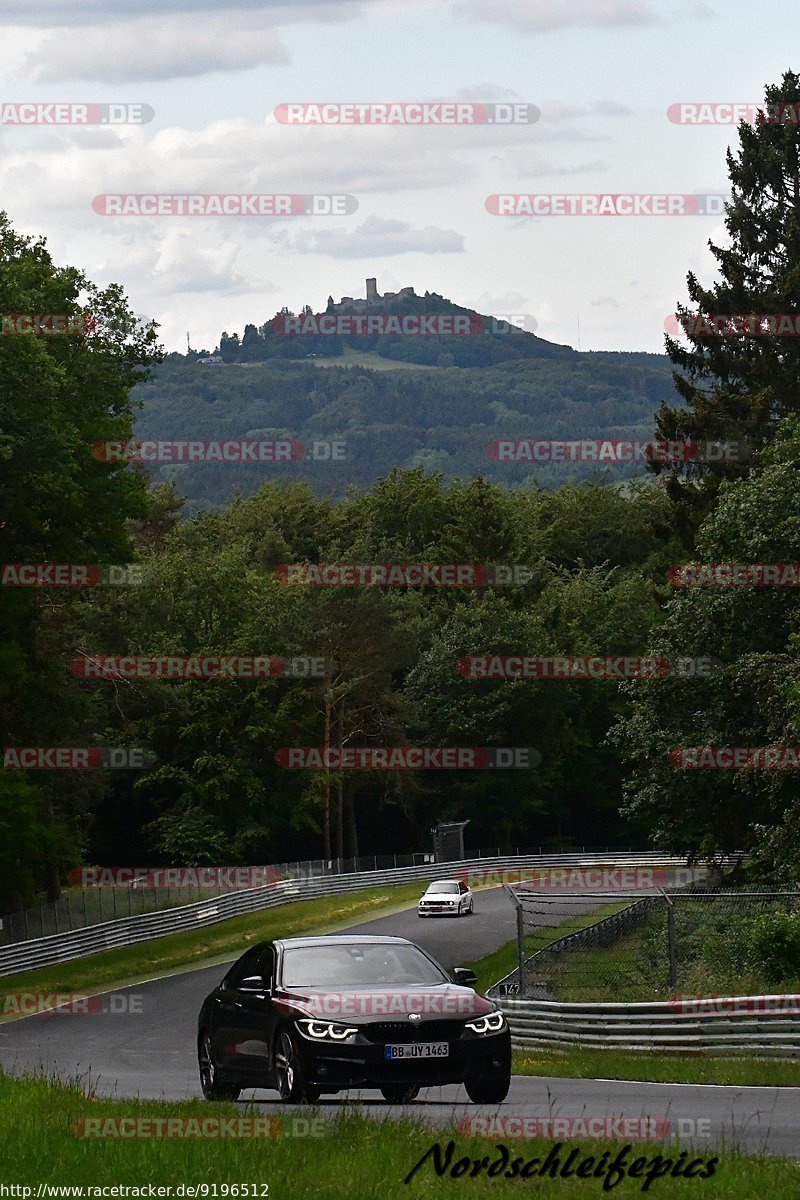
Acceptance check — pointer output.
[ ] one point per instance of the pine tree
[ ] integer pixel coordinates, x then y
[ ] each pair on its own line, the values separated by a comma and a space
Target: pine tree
736, 386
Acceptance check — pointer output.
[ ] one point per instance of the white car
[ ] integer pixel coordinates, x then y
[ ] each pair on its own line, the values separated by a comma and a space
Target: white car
446, 897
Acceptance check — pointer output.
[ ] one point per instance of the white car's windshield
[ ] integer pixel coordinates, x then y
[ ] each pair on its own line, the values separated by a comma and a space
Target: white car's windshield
439, 888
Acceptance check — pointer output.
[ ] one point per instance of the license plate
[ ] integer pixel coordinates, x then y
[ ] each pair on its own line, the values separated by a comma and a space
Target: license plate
417, 1050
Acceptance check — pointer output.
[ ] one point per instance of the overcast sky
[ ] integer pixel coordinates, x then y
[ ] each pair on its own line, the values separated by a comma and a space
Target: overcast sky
602, 72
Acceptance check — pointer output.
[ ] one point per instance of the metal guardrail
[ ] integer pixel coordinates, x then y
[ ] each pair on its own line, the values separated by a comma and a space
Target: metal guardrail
737, 1025
56, 948
85, 905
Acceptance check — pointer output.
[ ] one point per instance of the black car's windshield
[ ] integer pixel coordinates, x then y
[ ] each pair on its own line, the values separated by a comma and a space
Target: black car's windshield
349, 965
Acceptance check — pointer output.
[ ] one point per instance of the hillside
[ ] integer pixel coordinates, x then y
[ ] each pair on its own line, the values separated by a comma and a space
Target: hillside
391, 408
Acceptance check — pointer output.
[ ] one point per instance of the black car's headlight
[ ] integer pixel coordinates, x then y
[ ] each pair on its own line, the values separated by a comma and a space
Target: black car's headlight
326, 1031
491, 1023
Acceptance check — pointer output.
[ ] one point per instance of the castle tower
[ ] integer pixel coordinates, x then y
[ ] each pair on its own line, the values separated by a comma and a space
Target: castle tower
372, 291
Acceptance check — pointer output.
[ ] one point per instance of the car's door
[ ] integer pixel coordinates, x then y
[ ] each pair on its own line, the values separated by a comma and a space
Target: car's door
238, 1005
463, 896
256, 1016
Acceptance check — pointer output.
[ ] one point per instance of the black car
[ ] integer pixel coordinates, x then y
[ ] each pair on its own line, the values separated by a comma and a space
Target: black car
314, 1015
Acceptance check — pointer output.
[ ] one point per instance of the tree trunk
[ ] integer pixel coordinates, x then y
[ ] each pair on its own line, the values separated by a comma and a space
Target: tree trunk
352, 828
326, 795
52, 880
339, 787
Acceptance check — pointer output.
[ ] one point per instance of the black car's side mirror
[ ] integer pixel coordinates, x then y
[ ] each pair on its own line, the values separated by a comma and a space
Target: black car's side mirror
464, 976
253, 983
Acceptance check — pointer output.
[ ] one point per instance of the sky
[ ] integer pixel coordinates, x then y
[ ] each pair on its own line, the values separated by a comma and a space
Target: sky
602, 74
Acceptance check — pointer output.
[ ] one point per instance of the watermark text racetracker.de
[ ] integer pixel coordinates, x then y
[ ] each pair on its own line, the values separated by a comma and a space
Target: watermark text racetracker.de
613, 450
280, 450
589, 1126
605, 204
740, 325
47, 324
726, 112
780, 1005
70, 112
71, 575
407, 758
70, 1004
407, 574
734, 758
581, 879
408, 112
379, 324
564, 667
734, 574
333, 324
217, 204
213, 878
77, 758
206, 667
211, 1128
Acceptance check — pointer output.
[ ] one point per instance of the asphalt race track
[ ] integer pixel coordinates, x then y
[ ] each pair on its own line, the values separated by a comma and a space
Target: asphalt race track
148, 1050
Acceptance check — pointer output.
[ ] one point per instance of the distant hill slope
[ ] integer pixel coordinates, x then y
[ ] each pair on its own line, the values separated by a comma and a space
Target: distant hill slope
487, 343
443, 418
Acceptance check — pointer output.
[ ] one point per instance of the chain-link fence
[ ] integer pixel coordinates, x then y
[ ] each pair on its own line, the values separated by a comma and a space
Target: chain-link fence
80, 908
629, 946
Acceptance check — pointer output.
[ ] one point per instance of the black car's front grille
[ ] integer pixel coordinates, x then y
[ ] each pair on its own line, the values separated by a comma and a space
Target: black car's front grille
413, 1031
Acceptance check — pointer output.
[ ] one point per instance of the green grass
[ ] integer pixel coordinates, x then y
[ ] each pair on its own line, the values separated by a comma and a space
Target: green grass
355, 1157
213, 944
367, 358
711, 953
502, 962
578, 1063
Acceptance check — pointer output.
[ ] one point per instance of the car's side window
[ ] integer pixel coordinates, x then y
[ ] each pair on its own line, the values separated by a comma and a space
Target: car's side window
462, 887
247, 965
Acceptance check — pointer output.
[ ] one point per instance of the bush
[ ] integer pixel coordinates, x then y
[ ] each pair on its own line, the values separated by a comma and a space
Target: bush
773, 943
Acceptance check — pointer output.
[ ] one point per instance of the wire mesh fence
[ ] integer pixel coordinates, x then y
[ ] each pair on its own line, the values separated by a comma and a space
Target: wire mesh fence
690, 941
79, 908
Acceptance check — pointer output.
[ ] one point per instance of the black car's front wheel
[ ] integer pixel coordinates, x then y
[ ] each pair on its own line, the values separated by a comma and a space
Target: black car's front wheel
213, 1088
488, 1091
290, 1077
399, 1093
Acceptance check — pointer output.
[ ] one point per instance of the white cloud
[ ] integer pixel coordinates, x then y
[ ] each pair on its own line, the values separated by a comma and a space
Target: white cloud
484, 91
375, 237
63, 174
530, 164
155, 48
508, 302
50, 13
545, 16
557, 110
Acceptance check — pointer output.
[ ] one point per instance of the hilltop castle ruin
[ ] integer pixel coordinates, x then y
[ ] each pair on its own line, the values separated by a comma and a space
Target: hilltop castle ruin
373, 302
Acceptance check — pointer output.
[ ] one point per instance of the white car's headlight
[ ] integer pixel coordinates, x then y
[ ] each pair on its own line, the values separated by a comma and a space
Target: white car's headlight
326, 1031
491, 1023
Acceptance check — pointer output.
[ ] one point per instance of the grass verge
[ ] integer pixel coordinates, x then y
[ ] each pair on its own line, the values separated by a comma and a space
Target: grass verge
354, 1156
577, 1063
213, 944
502, 962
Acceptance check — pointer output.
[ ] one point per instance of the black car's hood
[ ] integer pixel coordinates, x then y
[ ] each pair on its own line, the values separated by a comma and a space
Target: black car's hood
368, 1005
